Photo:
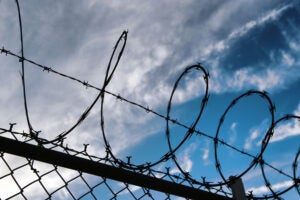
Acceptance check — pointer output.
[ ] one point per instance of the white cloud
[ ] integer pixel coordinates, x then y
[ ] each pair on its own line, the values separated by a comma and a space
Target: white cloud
271, 15
295, 46
205, 154
263, 189
256, 134
160, 45
184, 159
24, 176
233, 133
286, 130
253, 136
267, 81
11, 187
266, 78
241, 31
131, 188
288, 59
289, 129
217, 47
247, 78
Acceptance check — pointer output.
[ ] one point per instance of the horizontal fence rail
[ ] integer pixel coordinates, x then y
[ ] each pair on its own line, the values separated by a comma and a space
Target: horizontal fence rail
95, 168
137, 181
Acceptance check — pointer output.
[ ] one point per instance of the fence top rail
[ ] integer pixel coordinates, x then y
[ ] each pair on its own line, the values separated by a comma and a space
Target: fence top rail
99, 169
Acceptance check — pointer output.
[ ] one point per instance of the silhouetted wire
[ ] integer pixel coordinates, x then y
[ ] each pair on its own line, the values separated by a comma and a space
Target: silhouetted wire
147, 167
83, 153
296, 180
148, 110
190, 130
170, 154
35, 133
23, 69
265, 140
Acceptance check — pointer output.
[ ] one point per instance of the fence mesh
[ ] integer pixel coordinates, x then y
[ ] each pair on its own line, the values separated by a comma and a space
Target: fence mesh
26, 178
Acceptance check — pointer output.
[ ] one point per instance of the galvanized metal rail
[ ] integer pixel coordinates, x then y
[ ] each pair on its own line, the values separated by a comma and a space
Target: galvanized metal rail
99, 169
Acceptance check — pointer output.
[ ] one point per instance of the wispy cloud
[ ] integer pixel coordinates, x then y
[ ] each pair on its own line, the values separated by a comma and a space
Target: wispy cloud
258, 75
78, 38
131, 188
233, 133
206, 151
264, 190
205, 154
25, 176
241, 31
253, 136
288, 59
289, 129
269, 16
185, 159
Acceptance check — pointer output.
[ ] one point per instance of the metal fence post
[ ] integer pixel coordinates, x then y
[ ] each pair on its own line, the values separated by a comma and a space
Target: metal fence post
237, 187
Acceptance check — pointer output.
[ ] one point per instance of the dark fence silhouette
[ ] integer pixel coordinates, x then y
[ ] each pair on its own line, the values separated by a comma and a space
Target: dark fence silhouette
110, 177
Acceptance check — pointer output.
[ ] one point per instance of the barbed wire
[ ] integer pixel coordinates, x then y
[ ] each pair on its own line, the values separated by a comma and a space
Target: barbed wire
148, 167
26, 138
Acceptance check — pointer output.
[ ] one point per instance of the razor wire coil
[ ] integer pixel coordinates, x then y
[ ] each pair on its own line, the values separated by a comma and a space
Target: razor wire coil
32, 136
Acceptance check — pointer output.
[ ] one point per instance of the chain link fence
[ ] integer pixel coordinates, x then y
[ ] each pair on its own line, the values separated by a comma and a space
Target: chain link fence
25, 178
32, 167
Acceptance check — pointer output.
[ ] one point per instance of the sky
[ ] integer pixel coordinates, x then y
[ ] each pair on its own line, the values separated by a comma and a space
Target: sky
244, 45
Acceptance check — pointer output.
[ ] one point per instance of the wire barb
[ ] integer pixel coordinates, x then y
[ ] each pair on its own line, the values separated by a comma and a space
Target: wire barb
148, 168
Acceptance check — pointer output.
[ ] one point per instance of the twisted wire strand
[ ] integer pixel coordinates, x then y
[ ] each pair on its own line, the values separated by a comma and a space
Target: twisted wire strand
190, 130
161, 174
296, 180
295, 165
35, 133
111, 68
257, 158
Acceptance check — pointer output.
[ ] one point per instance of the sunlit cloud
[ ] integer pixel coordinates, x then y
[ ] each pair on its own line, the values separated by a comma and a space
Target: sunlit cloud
289, 129
266, 78
288, 59
270, 16
185, 158
241, 31
263, 189
78, 40
205, 154
233, 133
131, 188
254, 135
25, 176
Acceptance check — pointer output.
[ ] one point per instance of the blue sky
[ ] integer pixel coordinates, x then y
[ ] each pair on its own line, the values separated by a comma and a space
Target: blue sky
242, 44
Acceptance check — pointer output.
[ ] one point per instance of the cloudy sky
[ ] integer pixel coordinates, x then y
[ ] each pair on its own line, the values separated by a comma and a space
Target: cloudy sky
244, 45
